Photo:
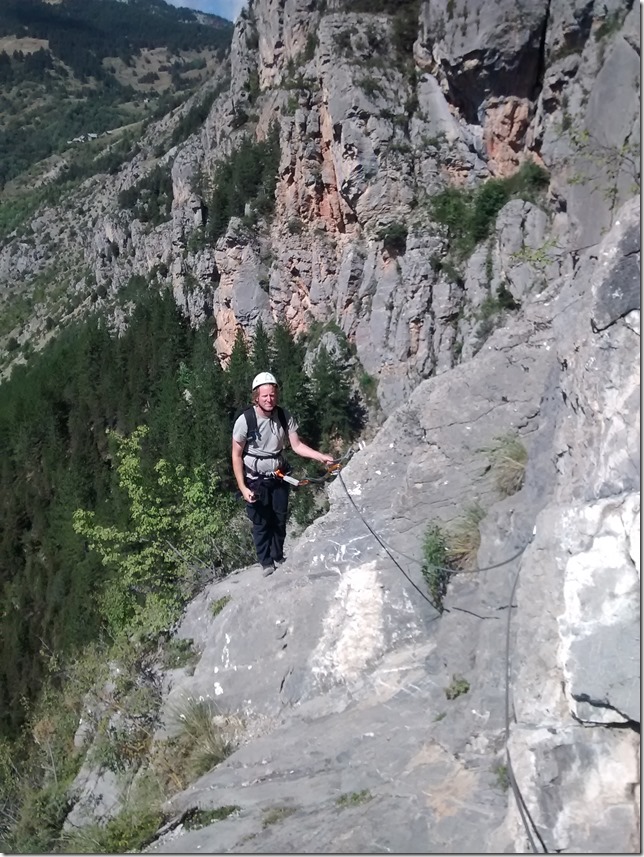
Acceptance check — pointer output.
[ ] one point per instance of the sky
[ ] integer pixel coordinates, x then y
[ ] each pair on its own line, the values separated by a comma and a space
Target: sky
226, 8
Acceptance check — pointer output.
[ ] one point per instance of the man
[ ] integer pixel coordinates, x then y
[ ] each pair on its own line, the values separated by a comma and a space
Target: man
257, 453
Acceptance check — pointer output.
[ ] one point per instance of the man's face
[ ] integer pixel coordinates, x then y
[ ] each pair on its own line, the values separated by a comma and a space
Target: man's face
267, 396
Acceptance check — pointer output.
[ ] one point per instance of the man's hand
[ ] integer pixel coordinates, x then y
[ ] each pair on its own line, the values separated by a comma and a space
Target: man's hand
326, 458
248, 495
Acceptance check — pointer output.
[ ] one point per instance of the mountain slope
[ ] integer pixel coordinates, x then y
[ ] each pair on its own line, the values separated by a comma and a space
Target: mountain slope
76, 68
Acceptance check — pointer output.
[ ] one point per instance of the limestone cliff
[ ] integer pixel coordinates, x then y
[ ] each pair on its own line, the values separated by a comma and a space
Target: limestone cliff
371, 127
342, 671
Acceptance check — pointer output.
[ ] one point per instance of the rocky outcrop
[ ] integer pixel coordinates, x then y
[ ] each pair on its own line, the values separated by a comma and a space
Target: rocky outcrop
345, 675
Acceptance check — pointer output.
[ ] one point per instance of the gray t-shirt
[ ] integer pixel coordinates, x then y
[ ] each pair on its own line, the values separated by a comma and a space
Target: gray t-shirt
271, 440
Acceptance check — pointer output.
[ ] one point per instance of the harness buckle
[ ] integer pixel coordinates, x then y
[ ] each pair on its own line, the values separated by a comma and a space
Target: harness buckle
281, 475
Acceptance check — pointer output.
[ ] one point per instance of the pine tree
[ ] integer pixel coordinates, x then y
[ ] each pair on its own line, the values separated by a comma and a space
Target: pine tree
295, 388
262, 350
333, 394
239, 373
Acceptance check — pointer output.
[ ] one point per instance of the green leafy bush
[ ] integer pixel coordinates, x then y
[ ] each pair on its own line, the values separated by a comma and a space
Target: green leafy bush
128, 832
217, 606
204, 817
354, 798
178, 522
470, 214
178, 652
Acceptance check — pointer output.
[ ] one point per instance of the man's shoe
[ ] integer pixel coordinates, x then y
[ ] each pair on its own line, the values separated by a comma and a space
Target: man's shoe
279, 561
267, 570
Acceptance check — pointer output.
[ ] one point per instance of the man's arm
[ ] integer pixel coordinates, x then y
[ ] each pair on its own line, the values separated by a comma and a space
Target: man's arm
238, 470
300, 448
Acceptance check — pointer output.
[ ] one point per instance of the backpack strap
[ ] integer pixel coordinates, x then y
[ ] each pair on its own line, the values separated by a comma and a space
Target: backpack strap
251, 423
281, 416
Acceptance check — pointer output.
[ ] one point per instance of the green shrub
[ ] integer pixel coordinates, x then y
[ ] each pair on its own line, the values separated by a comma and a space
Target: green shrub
309, 48
354, 798
207, 736
41, 819
204, 817
178, 653
435, 568
495, 305
394, 238
370, 85
368, 387
609, 26
295, 226
458, 687
217, 606
470, 214
129, 832
502, 776
343, 41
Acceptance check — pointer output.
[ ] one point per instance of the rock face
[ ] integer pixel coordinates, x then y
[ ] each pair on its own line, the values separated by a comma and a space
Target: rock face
374, 721
348, 678
369, 132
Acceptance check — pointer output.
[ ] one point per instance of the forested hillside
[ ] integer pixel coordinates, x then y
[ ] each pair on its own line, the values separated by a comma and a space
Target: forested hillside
56, 416
88, 66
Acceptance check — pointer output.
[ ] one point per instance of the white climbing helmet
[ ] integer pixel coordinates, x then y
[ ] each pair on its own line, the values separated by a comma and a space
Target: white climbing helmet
264, 378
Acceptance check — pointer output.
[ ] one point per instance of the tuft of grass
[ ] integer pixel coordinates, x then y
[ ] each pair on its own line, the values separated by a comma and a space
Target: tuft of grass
276, 814
354, 798
508, 458
458, 687
128, 832
464, 538
217, 606
206, 737
204, 817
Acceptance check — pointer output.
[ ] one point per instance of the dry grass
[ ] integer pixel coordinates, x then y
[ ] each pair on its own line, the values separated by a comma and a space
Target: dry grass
206, 736
464, 538
276, 814
508, 458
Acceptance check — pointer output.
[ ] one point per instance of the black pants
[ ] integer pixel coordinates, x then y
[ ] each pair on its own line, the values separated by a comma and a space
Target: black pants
268, 517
